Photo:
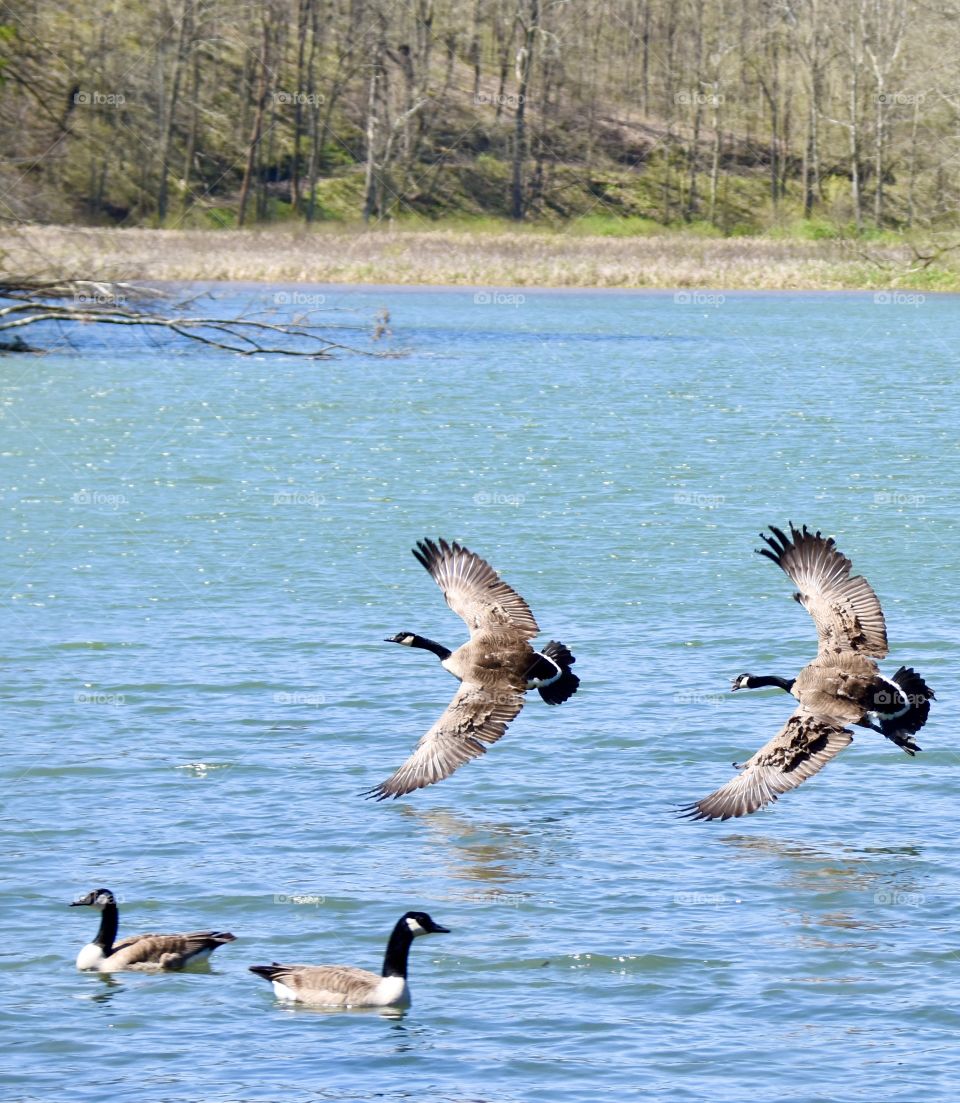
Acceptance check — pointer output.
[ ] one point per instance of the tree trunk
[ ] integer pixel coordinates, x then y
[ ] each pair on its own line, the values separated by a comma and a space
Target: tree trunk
256, 133
855, 153
303, 22
525, 63
371, 183
878, 145
912, 177
715, 155
192, 132
694, 150
166, 137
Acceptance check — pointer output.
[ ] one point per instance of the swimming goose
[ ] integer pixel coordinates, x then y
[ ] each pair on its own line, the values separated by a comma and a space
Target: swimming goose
842, 686
346, 986
495, 667
144, 952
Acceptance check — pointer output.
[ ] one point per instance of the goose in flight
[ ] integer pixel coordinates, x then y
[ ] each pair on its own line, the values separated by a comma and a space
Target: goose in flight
495, 667
345, 985
842, 686
144, 952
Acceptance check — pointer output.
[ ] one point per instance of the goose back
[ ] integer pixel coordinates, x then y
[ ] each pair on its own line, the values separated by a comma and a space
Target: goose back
335, 985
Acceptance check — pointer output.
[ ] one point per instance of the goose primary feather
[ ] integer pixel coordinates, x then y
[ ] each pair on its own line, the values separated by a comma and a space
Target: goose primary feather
495, 667
842, 686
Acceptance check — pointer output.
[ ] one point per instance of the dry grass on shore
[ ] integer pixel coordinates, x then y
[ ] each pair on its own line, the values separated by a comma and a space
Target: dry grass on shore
498, 258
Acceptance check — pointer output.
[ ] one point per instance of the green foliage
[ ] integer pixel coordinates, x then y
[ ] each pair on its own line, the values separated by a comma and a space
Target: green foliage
606, 225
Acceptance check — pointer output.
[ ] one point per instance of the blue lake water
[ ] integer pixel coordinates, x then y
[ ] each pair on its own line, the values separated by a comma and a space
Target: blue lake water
201, 556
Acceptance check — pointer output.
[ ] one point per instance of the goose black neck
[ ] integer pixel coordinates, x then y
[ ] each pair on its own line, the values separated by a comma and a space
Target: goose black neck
764, 680
431, 645
106, 935
398, 948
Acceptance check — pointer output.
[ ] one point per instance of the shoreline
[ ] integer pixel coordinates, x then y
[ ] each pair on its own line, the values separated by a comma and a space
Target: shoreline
458, 257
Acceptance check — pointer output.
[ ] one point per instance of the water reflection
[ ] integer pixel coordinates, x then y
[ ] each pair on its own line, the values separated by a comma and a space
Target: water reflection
480, 850
109, 986
869, 882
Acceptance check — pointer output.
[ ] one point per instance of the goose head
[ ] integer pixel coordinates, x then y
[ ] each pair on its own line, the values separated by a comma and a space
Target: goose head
742, 681
406, 638
99, 898
419, 923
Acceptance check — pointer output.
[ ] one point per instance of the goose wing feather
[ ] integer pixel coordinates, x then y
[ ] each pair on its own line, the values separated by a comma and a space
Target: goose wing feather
803, 746
476, 717
331, 984
474, 590
165, 951
844, 607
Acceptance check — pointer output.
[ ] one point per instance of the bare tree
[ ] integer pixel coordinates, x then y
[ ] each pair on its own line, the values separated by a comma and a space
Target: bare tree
530, 25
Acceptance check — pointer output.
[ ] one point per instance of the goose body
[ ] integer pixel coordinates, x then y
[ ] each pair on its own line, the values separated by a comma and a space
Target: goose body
141, 953
345, 986
840, 688
495, 667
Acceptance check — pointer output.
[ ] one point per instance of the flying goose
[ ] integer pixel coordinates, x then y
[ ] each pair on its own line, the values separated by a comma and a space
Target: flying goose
495, 667
144, 952
347, 986
842, 686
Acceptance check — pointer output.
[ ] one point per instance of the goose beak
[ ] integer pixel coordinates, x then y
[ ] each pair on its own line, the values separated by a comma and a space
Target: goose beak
437, 929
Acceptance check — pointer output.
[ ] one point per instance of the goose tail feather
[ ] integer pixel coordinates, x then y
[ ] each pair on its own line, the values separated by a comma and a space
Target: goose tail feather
566, 685
901, 728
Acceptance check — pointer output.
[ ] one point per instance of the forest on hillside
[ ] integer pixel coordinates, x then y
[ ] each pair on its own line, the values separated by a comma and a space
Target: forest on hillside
732, 114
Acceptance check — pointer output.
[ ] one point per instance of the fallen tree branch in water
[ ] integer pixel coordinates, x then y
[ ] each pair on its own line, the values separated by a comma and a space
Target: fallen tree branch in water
105, 303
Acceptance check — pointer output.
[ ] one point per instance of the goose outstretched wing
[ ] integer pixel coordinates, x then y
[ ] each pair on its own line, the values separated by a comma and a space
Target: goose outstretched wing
844, 608
474, 590
476, 717
804, 745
